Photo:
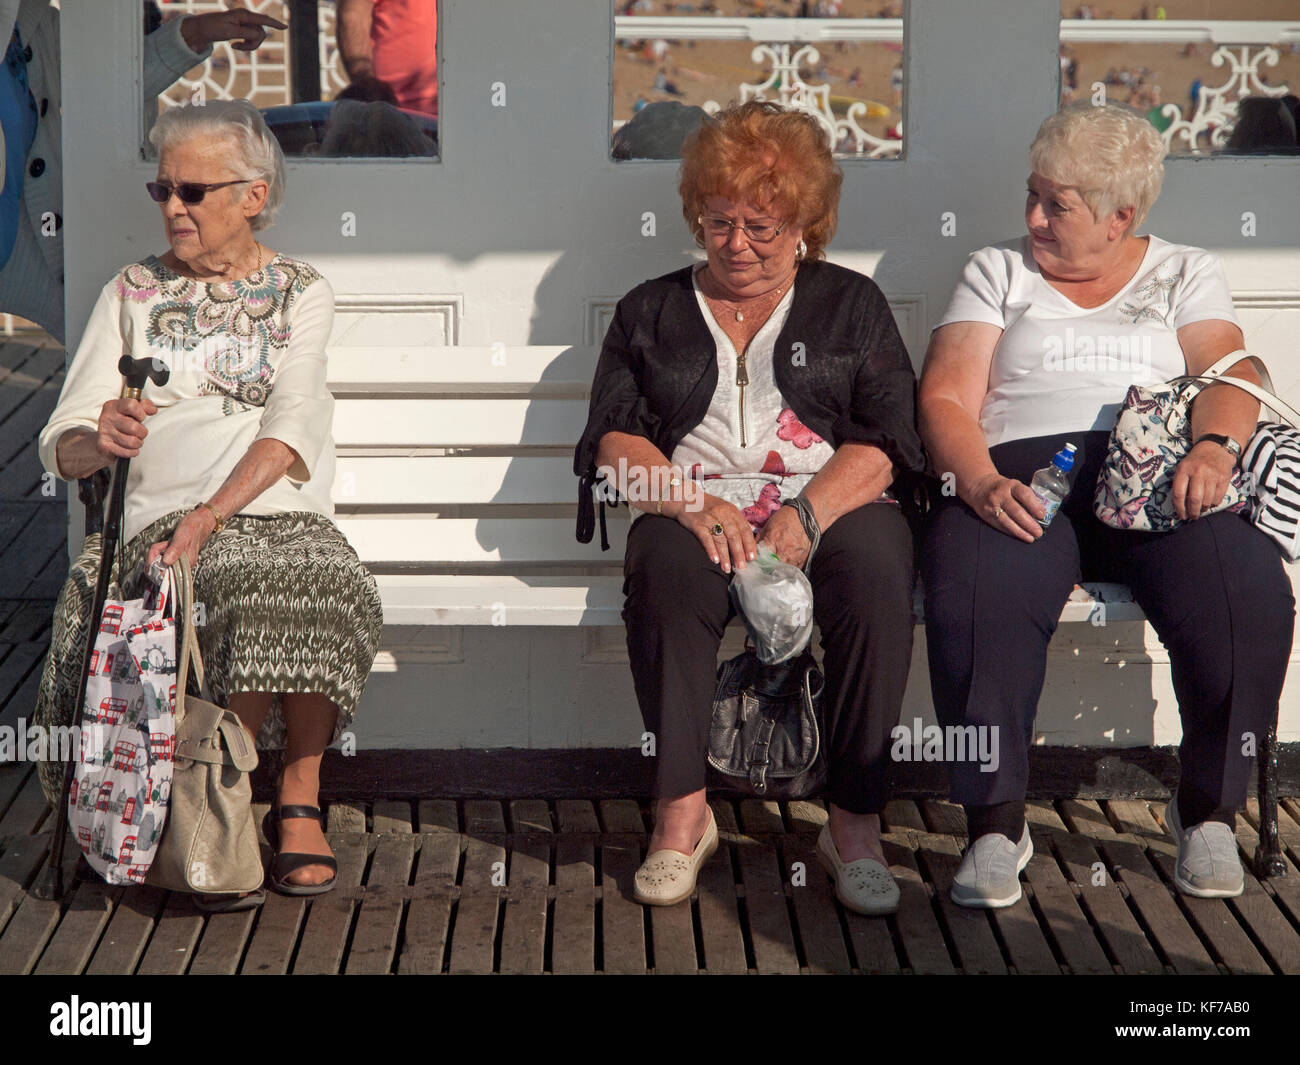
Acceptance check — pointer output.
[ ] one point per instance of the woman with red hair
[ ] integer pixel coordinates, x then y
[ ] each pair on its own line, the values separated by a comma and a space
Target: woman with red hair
735, 386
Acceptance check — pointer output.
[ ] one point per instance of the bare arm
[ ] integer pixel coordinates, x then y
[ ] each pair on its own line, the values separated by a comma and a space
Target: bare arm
354, 21
121, 431
263, 464
1201, 479
855, 475
954, 382
635, 459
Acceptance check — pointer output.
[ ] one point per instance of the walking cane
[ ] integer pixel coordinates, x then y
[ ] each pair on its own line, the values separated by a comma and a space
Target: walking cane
135, 372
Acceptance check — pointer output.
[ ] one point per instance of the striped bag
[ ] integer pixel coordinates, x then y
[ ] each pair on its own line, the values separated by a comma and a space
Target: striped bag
1272, 464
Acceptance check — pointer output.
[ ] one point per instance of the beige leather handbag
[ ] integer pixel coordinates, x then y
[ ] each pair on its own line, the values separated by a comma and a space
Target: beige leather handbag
209, 842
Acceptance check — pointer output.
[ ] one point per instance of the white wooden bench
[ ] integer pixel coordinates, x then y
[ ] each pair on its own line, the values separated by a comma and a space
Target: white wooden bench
455, 484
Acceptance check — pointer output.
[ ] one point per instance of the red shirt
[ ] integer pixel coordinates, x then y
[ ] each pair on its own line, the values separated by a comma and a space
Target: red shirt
403, 38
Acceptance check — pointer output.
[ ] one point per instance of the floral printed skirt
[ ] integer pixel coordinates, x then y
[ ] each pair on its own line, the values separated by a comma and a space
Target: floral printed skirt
285, 606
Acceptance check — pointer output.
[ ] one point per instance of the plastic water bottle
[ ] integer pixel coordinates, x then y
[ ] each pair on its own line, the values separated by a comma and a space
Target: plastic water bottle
1052, 484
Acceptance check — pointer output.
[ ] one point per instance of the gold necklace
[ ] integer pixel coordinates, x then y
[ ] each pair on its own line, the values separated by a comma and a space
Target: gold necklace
736, 305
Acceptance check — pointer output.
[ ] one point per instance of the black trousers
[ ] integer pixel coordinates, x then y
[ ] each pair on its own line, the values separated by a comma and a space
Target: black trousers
678, 606
1214, 589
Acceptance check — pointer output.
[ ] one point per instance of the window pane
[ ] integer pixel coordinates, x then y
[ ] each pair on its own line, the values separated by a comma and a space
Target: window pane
1214, 76
379, 54
841, 60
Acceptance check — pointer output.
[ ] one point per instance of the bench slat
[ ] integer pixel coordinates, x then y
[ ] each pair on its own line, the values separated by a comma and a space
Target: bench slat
442, 600
363, 369
458, 422
418, 540
379, 480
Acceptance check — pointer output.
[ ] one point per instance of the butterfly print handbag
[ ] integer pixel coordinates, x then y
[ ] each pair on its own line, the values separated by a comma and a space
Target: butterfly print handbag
1153, 431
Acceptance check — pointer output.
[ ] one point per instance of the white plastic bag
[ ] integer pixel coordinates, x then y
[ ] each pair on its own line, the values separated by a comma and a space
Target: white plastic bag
118, 800
776, 602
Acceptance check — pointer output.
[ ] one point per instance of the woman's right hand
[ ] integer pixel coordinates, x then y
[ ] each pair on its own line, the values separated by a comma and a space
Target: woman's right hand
1010, 506
121, 428
734, 546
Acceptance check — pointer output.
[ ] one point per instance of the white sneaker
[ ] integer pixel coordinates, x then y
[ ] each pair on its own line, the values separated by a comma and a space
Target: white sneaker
1208, 866
989, 876
863, 886
667, 877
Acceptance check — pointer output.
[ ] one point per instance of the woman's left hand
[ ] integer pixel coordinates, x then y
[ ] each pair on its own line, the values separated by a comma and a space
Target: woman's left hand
1201, 480
784, 532
188, 539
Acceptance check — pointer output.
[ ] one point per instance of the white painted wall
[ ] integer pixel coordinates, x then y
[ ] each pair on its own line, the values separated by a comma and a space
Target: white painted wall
525, 232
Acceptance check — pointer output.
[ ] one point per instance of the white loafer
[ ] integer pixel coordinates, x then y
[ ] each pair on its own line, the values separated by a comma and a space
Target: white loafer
667, 877
863, 886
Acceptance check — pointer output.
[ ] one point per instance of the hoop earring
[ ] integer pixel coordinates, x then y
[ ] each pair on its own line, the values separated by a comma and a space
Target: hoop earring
800, 251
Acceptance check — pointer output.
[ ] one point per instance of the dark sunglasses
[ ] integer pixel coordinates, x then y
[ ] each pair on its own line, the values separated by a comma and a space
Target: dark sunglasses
190, 192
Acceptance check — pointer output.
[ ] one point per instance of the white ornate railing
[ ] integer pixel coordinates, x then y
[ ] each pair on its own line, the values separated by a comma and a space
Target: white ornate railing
1242, 46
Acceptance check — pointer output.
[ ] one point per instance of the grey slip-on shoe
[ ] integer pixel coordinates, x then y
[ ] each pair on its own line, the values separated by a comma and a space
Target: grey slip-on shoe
989, 876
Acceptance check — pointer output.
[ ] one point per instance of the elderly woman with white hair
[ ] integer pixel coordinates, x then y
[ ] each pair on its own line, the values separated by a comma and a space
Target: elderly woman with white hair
997, 401
232, 464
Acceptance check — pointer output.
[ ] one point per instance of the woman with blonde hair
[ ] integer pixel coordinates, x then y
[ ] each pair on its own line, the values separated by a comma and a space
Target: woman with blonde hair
1038, 347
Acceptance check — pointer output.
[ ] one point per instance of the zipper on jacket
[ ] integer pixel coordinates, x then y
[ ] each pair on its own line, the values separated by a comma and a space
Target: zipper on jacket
742, 379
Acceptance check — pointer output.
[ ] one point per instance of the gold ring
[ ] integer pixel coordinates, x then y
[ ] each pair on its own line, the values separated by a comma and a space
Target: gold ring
717, 529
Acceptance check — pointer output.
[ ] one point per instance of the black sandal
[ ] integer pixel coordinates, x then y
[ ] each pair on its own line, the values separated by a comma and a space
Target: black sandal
290, 861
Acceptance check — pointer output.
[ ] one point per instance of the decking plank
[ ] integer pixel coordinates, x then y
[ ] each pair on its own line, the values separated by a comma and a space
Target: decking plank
129, 929
523, 927
270, 950
573, 924
484, 816
622, 815
530, 815
324, 938
1152, 900
88, 913
428, 917
805, 816
576, 815
901, 815
392, 816
721, 935
374, 937
478, 913
1261, 909
816, 912
968, 929
918, 929
1065, 920
437, 815
766, 907
174, 938
622, 919
760, 817
221, 947
26, 934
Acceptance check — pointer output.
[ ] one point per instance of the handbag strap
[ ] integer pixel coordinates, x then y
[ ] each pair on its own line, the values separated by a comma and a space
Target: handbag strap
189, 649
1266, 395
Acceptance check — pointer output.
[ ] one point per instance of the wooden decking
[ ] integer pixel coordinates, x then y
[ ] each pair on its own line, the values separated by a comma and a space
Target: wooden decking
532, 886
527, 886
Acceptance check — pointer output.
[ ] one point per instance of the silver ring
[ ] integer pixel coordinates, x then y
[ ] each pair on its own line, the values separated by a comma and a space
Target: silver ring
997, 513
717, 529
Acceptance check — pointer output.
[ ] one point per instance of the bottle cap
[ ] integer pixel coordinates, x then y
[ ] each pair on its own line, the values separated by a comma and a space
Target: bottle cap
1064, 459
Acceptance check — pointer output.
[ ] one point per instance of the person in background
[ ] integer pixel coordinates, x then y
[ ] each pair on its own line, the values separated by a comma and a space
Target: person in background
394, 41
996, 403
31, 201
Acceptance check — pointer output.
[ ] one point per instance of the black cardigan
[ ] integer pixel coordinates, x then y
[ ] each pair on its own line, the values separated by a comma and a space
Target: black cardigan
838, 361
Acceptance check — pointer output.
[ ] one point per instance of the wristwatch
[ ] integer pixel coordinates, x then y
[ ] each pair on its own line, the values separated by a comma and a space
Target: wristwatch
1234, 448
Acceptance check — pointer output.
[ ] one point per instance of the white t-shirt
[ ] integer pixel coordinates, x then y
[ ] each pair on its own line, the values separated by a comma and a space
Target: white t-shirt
247, 362
1061, 368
